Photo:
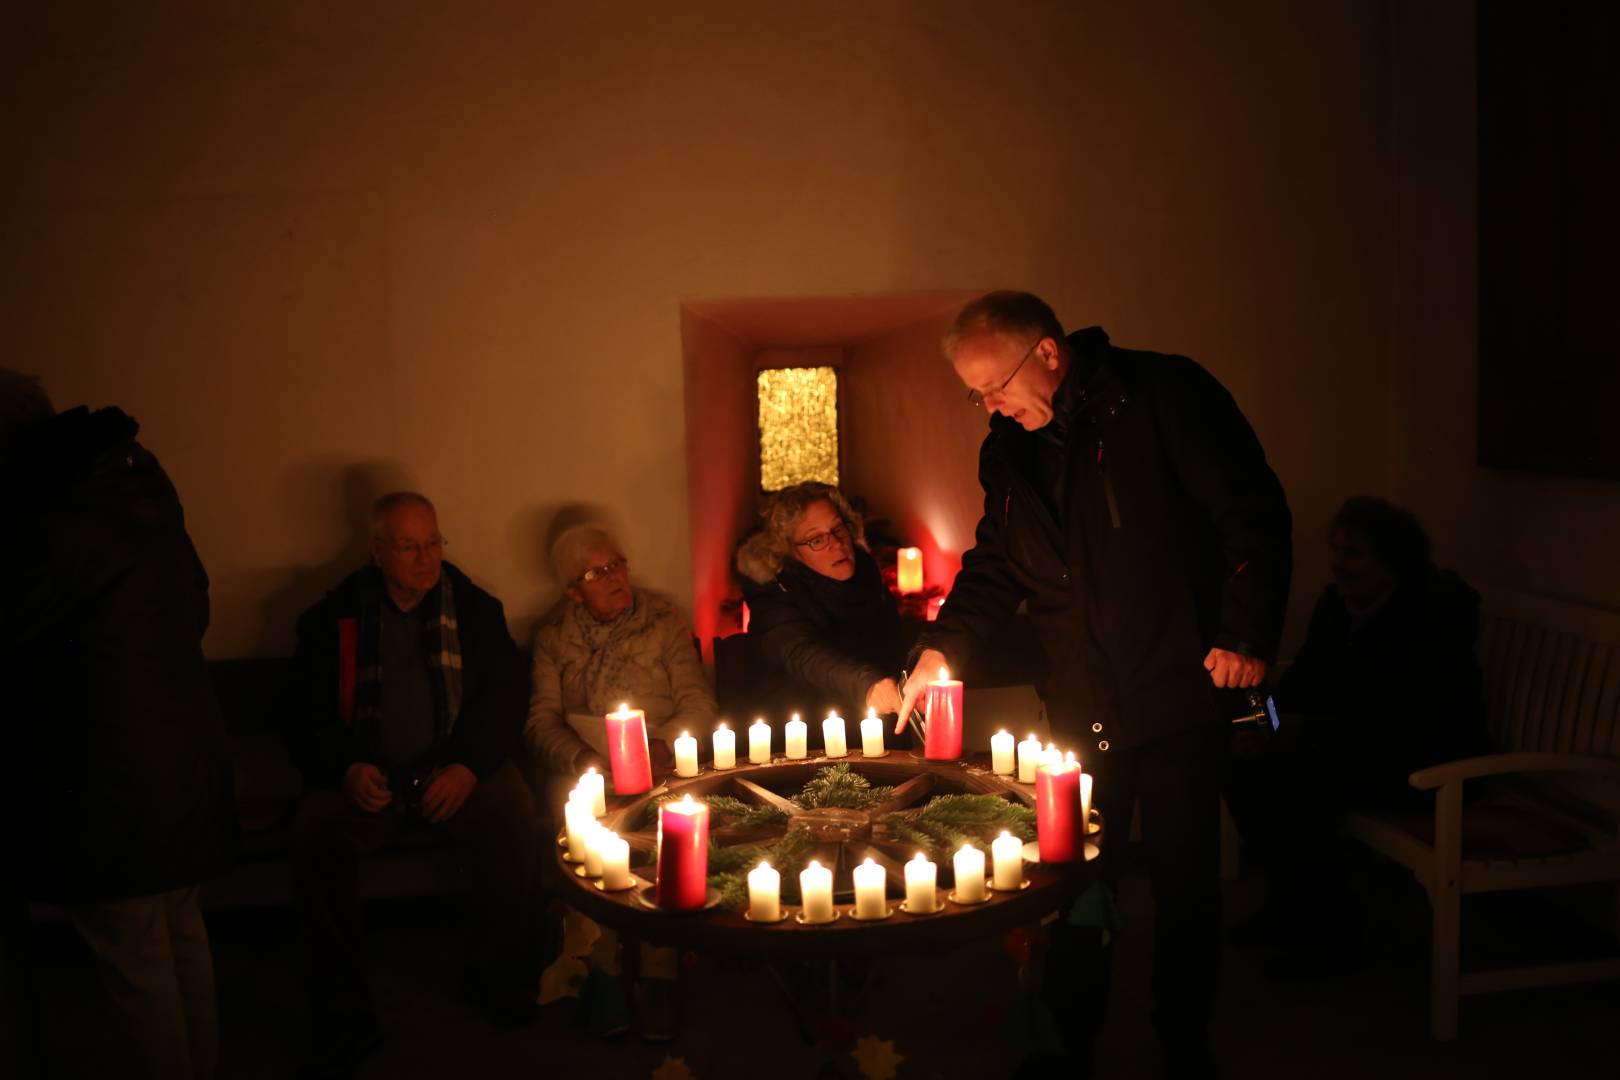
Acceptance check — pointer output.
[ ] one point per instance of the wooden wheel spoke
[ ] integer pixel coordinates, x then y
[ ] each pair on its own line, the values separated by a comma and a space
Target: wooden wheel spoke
763, 795
644, 841
894, 849
746, 834
906, 794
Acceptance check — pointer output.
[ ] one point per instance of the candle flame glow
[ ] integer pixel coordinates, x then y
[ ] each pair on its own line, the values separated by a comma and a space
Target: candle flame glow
763, 865
868, 862
815, 864
624, 707
591, 771
968, 847
871, 712
723, 726
795, 719
944, 674
919, 857
1004, 832
1068, 759
687, 802
684, 735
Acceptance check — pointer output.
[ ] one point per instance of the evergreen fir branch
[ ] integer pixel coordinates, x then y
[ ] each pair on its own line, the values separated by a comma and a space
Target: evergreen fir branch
950, 821
724, 810
729, 867
839, 786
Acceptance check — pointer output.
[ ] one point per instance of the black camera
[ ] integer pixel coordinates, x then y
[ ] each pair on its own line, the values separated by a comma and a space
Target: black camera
407, 783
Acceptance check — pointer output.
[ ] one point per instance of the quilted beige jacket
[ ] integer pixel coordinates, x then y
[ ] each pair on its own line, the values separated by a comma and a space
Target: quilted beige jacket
656, 669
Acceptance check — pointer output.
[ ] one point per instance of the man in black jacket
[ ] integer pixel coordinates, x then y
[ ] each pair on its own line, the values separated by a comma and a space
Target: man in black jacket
120, 799
1129, 505
411, 700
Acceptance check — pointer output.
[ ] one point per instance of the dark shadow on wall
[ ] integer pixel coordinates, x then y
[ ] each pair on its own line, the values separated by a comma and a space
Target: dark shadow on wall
330, 496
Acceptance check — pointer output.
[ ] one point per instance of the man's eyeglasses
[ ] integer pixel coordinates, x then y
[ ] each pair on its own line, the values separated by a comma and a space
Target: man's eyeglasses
606, 569
410, 547
978, 399
820, 540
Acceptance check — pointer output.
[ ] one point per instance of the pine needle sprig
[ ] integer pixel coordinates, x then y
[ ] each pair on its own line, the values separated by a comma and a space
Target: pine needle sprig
950, 821
733, 810
839, 786
729, 867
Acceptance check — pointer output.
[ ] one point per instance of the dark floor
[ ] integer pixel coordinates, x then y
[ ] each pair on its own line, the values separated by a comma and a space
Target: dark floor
939, 1016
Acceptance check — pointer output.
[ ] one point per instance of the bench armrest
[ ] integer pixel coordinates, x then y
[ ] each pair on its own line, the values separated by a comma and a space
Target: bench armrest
1496, 764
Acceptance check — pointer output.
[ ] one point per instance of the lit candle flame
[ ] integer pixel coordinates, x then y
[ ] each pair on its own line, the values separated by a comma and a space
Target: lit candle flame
1004, 832
919, 857
1068, 759
795, 719
815, 864
871, 712
868, 862
684, 735
591, 771
624, 707
944, 674
764, 865
687, 803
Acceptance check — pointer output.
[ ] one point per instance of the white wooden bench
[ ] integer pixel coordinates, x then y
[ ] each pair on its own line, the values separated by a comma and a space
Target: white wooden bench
1548, 806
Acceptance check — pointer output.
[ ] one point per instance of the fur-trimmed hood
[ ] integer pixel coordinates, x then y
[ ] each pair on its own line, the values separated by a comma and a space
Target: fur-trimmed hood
756, 559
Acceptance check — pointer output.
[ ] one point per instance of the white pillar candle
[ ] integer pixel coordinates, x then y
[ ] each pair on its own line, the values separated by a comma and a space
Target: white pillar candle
759, 742
969, 866
1007, 852
764, 893
921, 880
615, 851
725, 748
871, 734
686, 756
815, 891
1085, 803
1051, 756
576, 815
796, 738
870, 885
593, 783
1002, 754
832, 735
595, 834
1029, 756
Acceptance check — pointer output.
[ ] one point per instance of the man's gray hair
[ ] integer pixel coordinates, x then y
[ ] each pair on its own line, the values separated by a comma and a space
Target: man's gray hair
23, 404
393, 501
572, 548
1008, 314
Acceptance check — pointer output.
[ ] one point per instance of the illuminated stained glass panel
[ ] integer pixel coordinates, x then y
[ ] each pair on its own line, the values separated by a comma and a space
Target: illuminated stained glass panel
798, 426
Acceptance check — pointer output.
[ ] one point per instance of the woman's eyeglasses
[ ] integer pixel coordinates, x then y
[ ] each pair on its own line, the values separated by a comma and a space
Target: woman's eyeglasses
597, 572
820, 540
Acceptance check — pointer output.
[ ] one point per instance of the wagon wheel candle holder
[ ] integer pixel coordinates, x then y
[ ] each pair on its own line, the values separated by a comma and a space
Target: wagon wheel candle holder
839, 813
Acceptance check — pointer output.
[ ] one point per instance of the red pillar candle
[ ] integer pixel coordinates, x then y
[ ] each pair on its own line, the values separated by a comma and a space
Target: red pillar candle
943, 711
1057, 811
627, 751
683, 854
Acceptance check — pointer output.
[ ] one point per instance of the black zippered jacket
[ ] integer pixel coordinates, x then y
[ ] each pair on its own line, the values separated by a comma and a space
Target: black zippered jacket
120, 775
1163, 534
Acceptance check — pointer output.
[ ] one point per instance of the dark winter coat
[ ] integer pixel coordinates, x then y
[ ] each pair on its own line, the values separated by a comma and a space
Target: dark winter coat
1401, 689
494, 687
119, 781
1171, 536
815, 643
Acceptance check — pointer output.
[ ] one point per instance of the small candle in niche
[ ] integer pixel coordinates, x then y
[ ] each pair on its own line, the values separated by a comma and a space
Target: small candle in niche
908, 570
871, 734
870, 884
832, 735
686, 760
795, 738
725, 747
764, 893
815, 893
921, 881
1002, 754
1007, 856
594, 784
1029, 757
615, 862
968, 864
759, 742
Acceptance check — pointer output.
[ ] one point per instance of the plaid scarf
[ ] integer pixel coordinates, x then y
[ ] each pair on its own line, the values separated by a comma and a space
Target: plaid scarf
360, 660
606, 643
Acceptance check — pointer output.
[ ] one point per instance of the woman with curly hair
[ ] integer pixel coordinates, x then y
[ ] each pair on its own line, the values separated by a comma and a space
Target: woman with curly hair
824, 630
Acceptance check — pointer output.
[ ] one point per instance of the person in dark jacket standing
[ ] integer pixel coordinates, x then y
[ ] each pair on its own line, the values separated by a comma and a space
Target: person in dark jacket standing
1128, 503
121, 803
410, 701
824, 631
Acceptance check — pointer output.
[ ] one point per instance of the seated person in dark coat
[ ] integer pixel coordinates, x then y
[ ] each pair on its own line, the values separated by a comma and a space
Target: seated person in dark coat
412, 703
1385, 684
824, 631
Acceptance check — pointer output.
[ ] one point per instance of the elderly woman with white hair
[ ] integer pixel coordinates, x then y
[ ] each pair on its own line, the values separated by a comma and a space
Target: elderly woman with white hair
609, 643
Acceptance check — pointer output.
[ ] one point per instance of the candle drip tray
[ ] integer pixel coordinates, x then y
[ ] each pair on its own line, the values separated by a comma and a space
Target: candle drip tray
781, 917
799, 918
887, 911
647, 897
935, 910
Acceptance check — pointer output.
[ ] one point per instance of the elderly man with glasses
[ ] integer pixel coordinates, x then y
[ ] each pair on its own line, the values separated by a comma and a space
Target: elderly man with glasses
409, 708
1128, 503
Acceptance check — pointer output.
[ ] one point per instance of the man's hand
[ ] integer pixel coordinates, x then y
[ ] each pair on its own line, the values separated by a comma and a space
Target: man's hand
366, 787
929, 662
446, 790
884, 696
1230, 670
